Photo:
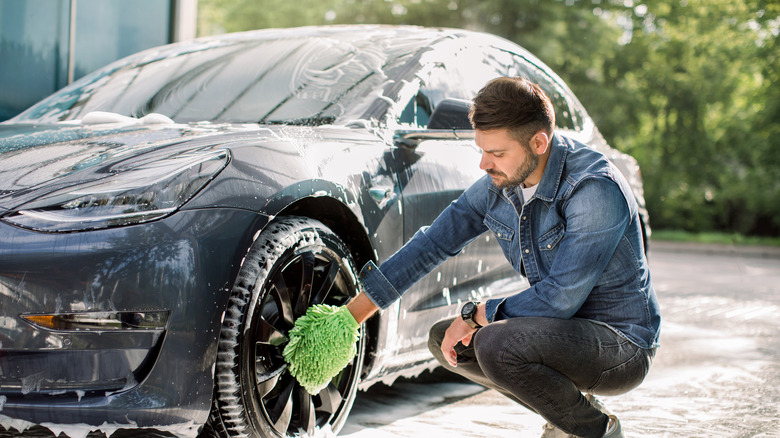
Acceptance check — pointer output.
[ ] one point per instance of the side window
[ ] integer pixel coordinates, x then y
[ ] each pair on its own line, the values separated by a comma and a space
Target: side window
512, 64
458, 77
417, 112
566, 116
466, 72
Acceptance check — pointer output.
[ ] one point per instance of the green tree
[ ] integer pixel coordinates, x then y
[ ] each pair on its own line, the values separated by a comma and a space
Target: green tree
701, 73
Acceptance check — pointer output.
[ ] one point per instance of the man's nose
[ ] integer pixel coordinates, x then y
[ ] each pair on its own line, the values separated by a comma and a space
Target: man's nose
484, 162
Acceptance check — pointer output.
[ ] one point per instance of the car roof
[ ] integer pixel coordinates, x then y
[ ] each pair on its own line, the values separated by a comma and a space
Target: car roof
392, 36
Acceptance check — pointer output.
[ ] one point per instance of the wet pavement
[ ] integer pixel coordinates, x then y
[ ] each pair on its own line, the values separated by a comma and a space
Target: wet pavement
717, 373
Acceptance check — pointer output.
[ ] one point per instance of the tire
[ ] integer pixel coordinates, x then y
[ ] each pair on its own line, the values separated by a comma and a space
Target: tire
294, 263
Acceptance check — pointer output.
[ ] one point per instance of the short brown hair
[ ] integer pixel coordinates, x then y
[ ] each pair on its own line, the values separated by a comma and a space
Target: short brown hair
516, 104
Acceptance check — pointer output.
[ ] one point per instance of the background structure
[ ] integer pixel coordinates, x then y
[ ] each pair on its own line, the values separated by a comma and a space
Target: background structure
47, 44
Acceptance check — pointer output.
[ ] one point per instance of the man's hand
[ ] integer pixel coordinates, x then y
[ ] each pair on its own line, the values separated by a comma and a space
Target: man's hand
322, 343
461, 332
458, 331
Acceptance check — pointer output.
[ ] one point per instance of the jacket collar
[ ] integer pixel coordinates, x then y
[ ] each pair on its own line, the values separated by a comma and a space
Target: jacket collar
551, 178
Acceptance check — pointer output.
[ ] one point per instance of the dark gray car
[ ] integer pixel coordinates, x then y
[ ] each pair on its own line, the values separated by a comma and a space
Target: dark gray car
164, 221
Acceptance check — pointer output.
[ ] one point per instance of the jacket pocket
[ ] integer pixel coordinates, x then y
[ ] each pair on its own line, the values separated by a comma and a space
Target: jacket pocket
550, 239
501, 231
548, 244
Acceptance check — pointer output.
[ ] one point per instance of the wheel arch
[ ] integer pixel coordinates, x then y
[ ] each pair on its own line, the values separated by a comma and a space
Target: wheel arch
340, 219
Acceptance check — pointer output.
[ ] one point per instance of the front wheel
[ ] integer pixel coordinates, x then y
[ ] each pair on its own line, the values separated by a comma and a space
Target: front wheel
294, 263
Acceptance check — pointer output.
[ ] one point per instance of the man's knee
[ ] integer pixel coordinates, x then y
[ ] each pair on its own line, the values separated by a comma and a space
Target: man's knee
489, 345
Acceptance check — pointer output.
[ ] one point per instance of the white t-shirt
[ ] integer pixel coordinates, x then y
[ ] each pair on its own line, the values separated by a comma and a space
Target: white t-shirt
528, 193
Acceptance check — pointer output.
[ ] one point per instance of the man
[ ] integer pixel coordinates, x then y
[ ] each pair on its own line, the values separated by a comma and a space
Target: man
566, 218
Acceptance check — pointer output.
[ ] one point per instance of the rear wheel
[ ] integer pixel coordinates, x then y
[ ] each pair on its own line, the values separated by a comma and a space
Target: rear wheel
294, 263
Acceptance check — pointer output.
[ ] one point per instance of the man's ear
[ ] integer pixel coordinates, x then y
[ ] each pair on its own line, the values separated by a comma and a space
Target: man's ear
540, 142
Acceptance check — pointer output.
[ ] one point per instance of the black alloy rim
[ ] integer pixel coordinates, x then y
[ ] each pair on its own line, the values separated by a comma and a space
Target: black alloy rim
305, 277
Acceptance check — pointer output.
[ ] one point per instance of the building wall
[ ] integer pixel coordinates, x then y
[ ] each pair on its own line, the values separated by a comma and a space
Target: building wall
46, 44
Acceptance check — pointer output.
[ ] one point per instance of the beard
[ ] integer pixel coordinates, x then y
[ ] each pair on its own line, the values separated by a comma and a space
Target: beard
504, 181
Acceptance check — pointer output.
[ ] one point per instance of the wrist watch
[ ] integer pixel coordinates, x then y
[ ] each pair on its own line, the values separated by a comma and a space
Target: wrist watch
468, 311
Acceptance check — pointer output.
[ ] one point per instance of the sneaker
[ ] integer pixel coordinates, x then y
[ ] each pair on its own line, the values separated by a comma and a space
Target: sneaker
614, 430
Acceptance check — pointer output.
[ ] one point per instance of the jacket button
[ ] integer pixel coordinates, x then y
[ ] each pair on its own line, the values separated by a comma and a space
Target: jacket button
527, 251
499, 234
549, 246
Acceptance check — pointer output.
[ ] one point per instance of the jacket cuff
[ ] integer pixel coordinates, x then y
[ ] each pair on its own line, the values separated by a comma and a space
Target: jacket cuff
377, 287
491, 308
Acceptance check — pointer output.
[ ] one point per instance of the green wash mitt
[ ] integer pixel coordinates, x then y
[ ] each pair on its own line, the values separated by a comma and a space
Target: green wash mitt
322, 342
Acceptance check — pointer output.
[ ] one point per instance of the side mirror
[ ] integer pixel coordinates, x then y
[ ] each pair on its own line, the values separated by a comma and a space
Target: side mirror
449, 121
451, 114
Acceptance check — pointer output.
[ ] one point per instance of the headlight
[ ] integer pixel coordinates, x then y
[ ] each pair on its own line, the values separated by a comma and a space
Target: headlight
139, 194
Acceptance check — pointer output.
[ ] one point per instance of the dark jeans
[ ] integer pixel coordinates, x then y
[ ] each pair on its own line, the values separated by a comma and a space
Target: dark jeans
546, 364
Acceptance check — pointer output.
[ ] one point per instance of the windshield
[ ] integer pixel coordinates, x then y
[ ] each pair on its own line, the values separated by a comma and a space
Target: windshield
295, 80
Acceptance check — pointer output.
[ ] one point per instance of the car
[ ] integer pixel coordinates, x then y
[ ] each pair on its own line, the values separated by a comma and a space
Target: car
166, 219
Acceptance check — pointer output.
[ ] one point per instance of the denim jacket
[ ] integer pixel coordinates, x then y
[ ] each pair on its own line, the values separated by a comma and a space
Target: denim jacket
578, 240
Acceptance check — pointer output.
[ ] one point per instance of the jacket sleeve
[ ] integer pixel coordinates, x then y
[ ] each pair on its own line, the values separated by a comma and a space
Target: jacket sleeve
459, 224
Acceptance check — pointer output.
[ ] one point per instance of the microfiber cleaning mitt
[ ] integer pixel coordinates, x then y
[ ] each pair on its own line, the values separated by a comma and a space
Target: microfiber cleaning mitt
322, 342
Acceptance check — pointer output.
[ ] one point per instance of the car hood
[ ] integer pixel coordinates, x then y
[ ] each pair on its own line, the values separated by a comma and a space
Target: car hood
38, 159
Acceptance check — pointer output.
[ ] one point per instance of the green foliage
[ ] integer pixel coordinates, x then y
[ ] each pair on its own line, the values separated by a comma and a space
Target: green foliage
701, 92
713, 237
691, 88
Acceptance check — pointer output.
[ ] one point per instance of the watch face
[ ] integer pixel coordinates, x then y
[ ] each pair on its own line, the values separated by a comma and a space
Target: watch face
467, 310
